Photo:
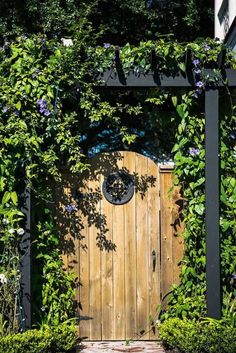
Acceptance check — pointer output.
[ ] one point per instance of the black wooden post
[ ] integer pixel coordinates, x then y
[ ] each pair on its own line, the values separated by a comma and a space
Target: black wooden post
212, 184
25, 264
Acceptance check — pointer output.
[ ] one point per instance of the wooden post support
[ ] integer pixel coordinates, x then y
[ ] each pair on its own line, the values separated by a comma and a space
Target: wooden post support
212, 204
25, 263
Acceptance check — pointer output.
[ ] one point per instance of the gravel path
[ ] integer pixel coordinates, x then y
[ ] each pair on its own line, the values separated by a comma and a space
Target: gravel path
116, 346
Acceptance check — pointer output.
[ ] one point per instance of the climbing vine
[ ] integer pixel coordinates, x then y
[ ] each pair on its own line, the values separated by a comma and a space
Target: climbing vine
49, 103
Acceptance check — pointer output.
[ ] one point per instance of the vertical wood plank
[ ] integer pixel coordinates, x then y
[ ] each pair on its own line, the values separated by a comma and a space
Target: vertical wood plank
142, 250
107, 274
130, 257
166, 232
178, 228
154, 244
84, 275
95, 267
119, 267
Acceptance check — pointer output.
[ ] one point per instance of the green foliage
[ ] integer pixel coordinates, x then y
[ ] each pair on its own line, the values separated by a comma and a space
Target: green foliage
52, 116
123, 21
56, 292
170, 56
46, 340
188, 299
209, 336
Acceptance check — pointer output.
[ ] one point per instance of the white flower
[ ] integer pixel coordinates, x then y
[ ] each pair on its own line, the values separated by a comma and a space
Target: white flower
11, 231
5, 221
67, 42
3, 278
20, 231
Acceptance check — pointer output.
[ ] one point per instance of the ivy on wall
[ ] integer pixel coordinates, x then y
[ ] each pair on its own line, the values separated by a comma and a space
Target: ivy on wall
48, 104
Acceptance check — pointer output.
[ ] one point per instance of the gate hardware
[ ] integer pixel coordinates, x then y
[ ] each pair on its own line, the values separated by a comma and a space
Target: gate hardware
154, 260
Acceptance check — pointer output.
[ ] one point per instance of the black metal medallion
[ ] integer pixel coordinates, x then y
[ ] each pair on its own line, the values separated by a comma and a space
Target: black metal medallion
118, 188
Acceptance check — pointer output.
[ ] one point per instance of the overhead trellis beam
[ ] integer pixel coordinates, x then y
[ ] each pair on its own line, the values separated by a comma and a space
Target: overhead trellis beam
156, 79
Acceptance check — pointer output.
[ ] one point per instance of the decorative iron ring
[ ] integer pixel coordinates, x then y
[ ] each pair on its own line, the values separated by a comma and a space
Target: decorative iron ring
118, 188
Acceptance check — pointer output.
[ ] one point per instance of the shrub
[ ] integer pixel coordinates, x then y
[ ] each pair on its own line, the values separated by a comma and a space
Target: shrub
209, 336
45, 340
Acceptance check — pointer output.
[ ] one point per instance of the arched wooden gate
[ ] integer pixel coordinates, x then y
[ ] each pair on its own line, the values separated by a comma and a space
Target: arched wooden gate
122, 241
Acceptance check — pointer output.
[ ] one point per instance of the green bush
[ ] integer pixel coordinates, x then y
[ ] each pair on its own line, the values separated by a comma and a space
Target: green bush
45, 340
209, 336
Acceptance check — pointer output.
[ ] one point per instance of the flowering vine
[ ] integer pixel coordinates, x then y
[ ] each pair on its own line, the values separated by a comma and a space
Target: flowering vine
48, 107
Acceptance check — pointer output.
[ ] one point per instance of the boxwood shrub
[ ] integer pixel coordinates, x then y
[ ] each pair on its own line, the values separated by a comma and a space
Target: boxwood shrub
59, 339
208, 336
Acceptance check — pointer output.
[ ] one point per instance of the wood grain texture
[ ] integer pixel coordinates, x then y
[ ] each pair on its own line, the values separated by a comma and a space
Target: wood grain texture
107, 289
84, 274
154, 245
130, 258
166, 233
143, 255
95, 264
171, 240
120, 290
119, 266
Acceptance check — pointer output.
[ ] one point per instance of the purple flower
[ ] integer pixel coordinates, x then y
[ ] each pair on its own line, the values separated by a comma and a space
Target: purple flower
42, 102
37, 70
200, 84
233, 276
107, 45
71, 208
24, 37
42, 40
5, 109
43, 107
196, 62
207, 47
46, 112
25, 96
194, 151
16, 112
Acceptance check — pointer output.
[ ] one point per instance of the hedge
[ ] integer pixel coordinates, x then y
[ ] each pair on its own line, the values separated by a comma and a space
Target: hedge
207, 336
46, 340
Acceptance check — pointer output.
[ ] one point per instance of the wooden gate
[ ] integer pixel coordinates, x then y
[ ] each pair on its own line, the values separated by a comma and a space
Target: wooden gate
122, 242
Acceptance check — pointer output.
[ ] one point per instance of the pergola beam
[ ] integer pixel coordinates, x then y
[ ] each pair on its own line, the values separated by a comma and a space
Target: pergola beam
156, 79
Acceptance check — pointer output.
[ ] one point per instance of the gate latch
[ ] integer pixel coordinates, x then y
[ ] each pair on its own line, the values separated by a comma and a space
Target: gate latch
154, 260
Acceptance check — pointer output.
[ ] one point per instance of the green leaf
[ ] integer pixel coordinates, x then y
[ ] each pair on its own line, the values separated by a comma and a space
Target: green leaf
18, 105
174, 100
6, 197
199, 209
182, 67
14, 198
181, 110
